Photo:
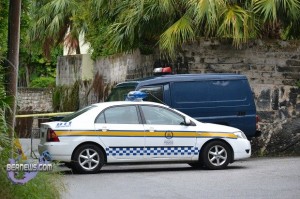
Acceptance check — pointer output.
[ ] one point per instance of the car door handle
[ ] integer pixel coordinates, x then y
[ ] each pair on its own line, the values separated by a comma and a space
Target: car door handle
104, 129
151, 129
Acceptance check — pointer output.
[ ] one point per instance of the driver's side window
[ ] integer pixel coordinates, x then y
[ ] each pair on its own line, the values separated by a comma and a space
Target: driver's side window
161, 116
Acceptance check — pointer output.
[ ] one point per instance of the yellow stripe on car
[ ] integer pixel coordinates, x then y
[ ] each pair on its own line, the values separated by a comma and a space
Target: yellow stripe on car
210, 134
142, 133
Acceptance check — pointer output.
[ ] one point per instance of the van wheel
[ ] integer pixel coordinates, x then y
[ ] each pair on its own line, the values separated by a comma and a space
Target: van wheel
88, 159
216, 155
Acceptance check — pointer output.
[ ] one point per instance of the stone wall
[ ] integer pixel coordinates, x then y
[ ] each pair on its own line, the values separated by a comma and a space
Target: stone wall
34, 100
29, 101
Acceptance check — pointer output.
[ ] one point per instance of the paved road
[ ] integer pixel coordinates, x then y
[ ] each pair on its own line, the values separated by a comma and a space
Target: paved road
255, 178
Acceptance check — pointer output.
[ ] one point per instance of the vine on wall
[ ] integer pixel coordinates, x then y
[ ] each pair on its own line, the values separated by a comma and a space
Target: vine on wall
66, 98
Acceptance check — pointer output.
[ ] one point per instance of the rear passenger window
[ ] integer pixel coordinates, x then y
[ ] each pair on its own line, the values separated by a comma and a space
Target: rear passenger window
119, 115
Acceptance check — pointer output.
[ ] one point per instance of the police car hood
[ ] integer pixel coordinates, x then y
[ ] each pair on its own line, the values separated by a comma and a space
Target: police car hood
217, 128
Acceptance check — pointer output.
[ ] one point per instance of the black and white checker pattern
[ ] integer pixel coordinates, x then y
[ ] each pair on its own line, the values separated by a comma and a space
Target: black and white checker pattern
138, 151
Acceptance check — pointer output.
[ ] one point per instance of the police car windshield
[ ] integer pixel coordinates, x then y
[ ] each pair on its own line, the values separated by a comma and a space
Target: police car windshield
77, 113
120, 93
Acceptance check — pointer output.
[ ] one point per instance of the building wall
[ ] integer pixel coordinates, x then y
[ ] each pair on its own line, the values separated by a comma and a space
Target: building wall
120, 67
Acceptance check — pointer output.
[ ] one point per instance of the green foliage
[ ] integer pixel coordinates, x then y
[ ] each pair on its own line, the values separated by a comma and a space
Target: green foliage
54, 24
96, 36
43, 82
298, 83
56, 98
44, 185
5, 102
170, 23
113, 26
3, 26
33, 63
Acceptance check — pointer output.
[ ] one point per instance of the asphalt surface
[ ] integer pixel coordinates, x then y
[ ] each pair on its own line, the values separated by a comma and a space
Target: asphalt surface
255, 178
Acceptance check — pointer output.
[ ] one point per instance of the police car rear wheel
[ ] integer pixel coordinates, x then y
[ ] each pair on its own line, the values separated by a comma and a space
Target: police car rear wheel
216, 155
88, 158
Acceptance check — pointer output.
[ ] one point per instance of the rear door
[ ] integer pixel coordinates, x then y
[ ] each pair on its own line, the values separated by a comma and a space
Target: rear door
166, 136
122, 133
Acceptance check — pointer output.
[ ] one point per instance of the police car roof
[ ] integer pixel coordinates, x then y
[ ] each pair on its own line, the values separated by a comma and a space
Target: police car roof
184, 77
116, 103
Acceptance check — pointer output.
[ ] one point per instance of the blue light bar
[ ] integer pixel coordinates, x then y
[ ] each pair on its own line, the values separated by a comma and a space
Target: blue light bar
136, 96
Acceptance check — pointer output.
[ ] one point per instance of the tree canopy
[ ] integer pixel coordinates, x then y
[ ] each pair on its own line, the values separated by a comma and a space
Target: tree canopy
170, 23
113, 26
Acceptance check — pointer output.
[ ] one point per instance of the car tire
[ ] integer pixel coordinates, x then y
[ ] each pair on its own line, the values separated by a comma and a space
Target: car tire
88, 159
216, 155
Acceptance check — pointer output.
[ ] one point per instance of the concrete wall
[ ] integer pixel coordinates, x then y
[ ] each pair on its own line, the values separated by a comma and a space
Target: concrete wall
98, 77
72, 68
120, 67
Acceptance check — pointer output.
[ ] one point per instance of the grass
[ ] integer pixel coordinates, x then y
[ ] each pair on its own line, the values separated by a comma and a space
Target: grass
45, 185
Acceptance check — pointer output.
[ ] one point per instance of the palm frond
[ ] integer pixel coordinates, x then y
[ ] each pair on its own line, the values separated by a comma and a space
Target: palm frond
269, 9
236, 24
177, 34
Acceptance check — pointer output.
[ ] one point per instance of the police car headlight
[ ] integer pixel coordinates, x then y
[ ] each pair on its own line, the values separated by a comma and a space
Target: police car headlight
240, 134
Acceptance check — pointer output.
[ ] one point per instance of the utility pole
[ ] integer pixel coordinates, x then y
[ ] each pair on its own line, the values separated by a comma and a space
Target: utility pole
13, 61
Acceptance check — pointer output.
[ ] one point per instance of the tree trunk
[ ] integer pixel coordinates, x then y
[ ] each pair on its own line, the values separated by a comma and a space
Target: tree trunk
13, 59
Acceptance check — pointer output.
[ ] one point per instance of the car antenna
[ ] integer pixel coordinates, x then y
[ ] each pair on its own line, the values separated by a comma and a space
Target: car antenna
156, 98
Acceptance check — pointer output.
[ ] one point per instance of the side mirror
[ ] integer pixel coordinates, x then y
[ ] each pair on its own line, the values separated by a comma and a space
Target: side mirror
187, 121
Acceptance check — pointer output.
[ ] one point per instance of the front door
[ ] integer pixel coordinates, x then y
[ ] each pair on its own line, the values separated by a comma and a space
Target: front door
166, 135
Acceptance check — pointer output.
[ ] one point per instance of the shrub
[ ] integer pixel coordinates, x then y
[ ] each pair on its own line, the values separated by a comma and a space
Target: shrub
43, 82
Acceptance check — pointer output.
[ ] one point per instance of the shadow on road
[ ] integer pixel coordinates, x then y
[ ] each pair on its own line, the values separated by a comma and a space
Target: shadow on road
126, 169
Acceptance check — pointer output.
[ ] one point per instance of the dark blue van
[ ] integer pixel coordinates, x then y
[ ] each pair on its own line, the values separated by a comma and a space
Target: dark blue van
224, 99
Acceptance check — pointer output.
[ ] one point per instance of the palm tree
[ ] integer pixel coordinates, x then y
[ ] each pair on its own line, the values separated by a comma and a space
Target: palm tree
280, 19
171, 23
54, 24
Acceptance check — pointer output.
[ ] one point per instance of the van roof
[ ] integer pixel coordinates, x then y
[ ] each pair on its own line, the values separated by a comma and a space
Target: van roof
183, 77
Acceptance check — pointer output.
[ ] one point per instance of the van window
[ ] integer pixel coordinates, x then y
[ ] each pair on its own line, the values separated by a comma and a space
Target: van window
209, 91
155, 93
120, 93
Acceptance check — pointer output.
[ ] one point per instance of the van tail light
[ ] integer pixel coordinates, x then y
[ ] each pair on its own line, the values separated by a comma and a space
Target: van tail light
257, 120
51, 136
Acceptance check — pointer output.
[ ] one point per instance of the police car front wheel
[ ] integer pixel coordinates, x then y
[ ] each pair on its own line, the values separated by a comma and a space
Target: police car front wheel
88, 158
216, 155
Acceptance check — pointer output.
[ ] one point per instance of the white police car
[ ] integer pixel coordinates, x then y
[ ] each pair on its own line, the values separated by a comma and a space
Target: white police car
144, 132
